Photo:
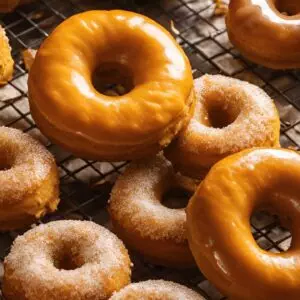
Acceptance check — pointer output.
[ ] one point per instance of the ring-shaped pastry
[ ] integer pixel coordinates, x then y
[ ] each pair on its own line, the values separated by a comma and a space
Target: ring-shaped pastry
76, 260
74, 114
266, 31
29, 182
230, 115
141, 220
219, 231
156, 290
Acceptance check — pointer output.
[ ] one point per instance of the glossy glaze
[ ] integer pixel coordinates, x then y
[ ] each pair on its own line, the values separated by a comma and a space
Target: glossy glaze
73, 113
219, 229
263, 32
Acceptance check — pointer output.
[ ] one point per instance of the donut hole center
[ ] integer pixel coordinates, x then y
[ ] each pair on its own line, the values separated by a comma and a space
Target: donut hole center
67, 261
5, 162
112, 79
176, 198
287, 7
271, 231
221, 114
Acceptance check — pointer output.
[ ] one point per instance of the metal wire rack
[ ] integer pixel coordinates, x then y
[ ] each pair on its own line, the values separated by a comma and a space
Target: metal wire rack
85, 185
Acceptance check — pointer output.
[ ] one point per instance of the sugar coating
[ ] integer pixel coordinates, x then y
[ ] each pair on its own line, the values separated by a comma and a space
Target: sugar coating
255, 124
156, 290
103, 262
28, 164
135, 201
6, 61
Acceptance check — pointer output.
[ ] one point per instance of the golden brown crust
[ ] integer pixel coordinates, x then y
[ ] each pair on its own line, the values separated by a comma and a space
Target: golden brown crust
139, 218
29, 183
6, 61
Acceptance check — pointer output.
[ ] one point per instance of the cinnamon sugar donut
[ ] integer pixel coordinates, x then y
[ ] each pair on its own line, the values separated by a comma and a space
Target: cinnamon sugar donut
142, 222
156, 290
6, 61
230, 115
28, 180
66, 260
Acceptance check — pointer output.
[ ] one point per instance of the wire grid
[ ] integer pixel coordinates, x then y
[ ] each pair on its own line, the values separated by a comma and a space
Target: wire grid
85, 185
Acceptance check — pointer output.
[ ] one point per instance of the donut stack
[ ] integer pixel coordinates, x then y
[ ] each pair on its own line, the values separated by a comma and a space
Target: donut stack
215, 137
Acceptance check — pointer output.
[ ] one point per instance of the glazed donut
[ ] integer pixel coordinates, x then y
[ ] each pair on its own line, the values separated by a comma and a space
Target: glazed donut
156, 290
6, 61
142, 222
218, 218
116, 44
10, 5
65, 260
28, 180
230, 115
266, 31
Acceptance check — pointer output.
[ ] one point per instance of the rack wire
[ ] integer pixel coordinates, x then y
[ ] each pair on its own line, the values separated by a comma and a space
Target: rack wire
85, 185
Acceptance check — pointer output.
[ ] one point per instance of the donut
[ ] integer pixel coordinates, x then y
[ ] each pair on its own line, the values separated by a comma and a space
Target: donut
186, 183
28, 180
65, 260
156, 290
10, 5
6, 61
117, 47
266, 31
141, 220
219, 231
230, 115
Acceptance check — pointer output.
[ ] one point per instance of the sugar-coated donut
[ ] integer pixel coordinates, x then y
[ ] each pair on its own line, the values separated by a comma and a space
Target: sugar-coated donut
6, 61
28, 180
219, 231
112, 128
266, 31
66, 260
142, 222
156, 290
230, 115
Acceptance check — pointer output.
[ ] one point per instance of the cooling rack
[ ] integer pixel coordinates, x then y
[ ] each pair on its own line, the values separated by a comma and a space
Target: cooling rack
85, 185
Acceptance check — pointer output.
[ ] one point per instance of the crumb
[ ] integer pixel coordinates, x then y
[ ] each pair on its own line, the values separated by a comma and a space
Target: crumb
37, 15
28, 57
221, 8
173, 28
